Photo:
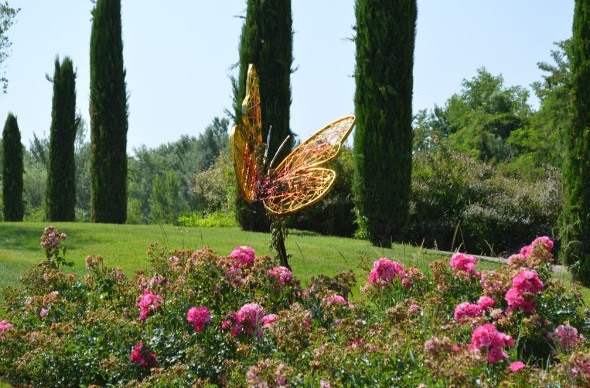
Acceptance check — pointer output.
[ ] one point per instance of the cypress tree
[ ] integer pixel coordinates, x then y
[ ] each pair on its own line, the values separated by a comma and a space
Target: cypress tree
60, 200
267, 42
385, 35
575, 217
12, 171
108, 115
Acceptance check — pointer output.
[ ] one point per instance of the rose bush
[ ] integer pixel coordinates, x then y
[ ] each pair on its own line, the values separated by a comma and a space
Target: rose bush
199, 319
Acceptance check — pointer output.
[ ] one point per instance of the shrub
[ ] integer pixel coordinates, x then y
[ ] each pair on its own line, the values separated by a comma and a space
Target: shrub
213, 190
459, 201
217, 219
199, 319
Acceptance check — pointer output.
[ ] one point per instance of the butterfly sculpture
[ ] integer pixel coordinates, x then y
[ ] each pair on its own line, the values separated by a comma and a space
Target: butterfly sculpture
301, 179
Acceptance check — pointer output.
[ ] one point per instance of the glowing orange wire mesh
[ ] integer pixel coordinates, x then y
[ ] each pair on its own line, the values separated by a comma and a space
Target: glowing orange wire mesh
300, 180
247, 139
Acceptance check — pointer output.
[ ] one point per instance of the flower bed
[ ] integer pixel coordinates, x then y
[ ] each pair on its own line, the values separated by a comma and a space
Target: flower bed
196, 318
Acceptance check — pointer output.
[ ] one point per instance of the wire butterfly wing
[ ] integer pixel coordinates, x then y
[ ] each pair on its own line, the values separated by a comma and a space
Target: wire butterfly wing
252, 114
300, 180
246, 139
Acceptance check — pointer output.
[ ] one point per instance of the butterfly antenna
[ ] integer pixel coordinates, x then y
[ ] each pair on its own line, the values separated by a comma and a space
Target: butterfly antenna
267, 143
279, 150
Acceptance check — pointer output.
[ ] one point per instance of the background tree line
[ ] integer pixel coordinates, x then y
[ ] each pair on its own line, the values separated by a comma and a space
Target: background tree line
160, 180
506, 177
484, 172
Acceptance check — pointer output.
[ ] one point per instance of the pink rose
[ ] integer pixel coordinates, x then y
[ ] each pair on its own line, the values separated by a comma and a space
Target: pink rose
485, 302
148, 302
335, 299
268, 320
495, 355
466, 309
244, 255
142, 356
525, 251
4, 326
282, 274
546, 241
566, 335
199, 316
516, 366
248, 319
527, 281
463, 262
384, 271
486, 336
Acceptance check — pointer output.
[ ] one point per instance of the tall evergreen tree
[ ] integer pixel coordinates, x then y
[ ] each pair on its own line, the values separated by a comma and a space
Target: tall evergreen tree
575, 220
108, 115
12, 171
60, 200
385, 35
267, 42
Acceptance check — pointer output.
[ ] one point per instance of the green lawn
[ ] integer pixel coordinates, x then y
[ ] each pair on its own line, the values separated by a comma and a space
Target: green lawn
126, 246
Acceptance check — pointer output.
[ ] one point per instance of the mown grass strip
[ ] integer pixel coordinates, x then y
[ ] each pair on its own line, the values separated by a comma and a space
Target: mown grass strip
126, 246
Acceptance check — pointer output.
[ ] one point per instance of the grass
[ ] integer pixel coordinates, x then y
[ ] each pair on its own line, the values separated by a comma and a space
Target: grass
126, 246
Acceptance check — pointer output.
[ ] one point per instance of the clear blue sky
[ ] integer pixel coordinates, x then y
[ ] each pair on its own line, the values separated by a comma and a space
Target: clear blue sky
178, 56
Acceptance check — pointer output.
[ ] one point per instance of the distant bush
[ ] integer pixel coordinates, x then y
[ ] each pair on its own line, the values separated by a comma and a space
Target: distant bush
459, 201
217, 219
213, 190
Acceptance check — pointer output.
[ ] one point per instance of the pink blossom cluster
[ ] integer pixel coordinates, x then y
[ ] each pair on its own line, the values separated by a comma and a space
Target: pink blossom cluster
282, 274
524, 286
4, 326
157, 281
154, 282
470, 310
537, 252
544, 240
51, 238
335, 299
566, 336
142, 356
516, 366
465, 263
580, 366
485, 302
264, 374
234, 274
248, 319
385, 270
244, 255
412, 274
493, 283
148, 302
356, 343
199, 316
307, 293
413, 309
486, 336
268, 320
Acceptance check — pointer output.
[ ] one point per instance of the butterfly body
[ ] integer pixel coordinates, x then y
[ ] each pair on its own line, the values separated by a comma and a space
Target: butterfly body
301, 179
